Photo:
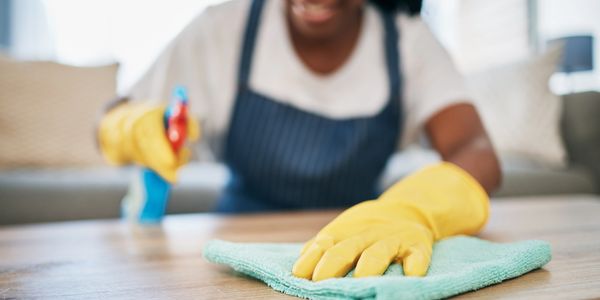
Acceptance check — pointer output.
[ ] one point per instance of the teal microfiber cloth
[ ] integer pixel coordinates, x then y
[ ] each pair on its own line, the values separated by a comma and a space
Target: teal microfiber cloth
458, 264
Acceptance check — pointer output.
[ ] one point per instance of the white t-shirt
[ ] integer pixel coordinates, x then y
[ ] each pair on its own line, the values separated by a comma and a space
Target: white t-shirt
205, 58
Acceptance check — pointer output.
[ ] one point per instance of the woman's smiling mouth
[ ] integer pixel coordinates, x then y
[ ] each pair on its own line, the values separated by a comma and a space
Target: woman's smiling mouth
312, 12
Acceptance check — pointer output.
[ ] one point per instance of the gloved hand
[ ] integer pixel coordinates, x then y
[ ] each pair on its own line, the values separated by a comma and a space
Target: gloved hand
134, 132
401, 225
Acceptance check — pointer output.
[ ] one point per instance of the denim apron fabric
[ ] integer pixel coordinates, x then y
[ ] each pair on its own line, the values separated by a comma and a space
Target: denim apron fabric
283, 158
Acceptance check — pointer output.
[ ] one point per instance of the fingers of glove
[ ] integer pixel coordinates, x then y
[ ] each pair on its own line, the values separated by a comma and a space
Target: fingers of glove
341, 258
416, 260
376, 258
307, 245
128, 142
306, 263
157, 160
166, 171
184, 156
111, 136
146, 143
151, 137
130, 127
193, 129
167, 174
151, 147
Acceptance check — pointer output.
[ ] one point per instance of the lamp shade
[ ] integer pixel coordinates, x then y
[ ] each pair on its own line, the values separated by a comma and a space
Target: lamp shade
578, 53
5, 20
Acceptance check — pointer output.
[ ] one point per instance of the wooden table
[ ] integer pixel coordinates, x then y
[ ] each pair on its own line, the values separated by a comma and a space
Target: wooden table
112, 259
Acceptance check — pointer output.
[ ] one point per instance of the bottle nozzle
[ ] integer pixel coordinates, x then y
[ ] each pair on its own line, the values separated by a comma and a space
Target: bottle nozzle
180, 94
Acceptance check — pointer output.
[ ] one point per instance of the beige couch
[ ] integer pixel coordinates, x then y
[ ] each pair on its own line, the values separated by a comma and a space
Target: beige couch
52, 172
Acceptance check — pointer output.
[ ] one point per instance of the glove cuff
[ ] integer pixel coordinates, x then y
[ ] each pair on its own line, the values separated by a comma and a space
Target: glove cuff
480, 199
443, 197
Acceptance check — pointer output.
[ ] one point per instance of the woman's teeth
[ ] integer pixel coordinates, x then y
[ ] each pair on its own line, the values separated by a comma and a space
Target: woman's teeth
313, 11
315, 8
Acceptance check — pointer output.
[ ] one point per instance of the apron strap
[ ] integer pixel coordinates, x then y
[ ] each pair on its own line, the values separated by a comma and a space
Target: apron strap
249, 41
392, 52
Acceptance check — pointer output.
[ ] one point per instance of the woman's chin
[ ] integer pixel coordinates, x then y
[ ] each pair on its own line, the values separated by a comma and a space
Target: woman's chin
317, 27
321, 19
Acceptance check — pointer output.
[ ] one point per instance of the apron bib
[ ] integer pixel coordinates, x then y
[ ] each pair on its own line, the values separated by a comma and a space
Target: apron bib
282, 157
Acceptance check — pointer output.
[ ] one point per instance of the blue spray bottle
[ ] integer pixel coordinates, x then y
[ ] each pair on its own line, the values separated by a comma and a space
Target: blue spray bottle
148, 194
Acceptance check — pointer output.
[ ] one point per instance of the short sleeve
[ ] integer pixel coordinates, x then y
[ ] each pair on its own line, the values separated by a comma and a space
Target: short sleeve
180, 63
431, 81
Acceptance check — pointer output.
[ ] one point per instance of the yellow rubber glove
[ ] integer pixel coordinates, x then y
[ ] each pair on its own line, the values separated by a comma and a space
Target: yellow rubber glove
134, 132
401, 225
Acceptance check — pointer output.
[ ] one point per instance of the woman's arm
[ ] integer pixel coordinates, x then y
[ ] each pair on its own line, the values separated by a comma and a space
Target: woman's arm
405, 221
113, 103
457, 133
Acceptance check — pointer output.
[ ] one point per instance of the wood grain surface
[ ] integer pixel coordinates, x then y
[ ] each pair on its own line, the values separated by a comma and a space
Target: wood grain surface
113, 259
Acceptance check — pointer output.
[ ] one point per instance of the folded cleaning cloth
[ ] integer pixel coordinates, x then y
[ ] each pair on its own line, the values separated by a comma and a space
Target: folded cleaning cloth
458, 264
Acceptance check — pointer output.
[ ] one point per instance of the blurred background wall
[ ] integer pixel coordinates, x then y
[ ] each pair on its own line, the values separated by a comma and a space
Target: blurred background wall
133, 32
483, 34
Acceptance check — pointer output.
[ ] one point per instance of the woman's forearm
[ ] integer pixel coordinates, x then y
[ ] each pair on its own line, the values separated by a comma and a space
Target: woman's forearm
459, 136
478, 158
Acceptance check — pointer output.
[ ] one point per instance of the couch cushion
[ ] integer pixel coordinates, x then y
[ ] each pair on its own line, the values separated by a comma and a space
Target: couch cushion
36, 195
48, 111
520, 113
521, 176
67, 194
540, 181
581, 129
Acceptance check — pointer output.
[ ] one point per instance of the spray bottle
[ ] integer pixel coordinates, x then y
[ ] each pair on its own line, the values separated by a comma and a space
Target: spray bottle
148, 193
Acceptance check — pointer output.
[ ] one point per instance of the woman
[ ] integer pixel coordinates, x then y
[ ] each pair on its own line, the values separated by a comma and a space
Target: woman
311, 98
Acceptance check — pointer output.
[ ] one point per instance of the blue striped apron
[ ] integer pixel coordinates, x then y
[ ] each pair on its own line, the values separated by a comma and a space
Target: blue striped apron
283, 158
